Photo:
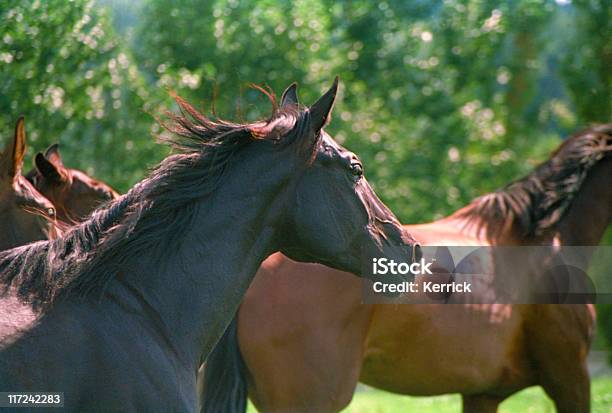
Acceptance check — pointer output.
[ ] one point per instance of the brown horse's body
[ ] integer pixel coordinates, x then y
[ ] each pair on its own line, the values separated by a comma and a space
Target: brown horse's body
306, 339
486, 352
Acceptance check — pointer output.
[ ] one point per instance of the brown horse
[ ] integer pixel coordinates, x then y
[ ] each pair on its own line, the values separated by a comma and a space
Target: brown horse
303, 339
74, 193
25, 214
144, 288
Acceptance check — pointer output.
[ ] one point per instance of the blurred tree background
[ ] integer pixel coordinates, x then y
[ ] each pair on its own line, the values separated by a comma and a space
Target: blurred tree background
443, 100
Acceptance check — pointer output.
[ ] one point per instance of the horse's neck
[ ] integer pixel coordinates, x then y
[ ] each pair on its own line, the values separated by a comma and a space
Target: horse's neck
584, 223
590, 212
197, 291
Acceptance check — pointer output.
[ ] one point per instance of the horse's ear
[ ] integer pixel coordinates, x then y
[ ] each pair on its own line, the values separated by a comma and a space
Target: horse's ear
18, 150
289, 97
320, 112
53, 155
47, 169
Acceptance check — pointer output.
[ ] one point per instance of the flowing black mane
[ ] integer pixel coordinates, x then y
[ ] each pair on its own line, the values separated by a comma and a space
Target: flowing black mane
154, 214
536, 203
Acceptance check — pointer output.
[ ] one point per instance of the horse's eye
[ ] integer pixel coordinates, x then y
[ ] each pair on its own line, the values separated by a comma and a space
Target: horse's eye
356, 169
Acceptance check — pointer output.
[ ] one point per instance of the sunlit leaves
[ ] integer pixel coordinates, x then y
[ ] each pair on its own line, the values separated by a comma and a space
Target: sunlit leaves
64, 69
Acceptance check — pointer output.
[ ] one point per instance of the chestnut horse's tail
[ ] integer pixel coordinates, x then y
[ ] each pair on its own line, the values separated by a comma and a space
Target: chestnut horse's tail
225, 386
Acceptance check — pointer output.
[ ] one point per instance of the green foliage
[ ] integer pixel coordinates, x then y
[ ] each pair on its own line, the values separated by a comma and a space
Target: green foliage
64, 69
604, 318
589, 59
442, 100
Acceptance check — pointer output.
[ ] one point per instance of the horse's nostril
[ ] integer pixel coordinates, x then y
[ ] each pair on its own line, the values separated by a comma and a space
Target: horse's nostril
417, 252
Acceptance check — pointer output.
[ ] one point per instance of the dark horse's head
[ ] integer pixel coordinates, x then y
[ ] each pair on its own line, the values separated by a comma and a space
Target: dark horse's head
336, 218
320, 208
24, 213
73, 193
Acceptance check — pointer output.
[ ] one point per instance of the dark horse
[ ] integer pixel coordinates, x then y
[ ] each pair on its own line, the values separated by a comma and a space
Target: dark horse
73, 193
118, 312
25, 214
306, 353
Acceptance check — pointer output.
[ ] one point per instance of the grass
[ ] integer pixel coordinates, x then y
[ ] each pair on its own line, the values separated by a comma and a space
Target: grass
529, 400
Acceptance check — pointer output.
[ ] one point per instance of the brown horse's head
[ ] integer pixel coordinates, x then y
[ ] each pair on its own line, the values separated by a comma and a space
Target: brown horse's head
74, 193
25, 214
